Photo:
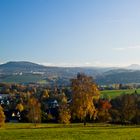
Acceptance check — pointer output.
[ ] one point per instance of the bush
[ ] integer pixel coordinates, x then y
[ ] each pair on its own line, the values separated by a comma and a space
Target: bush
2, 117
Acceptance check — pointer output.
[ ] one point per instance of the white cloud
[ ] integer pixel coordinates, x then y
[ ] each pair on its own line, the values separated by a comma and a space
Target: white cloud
119, 49
46, 64
91, 64
86, 64
127, 48
65, 64
134, 47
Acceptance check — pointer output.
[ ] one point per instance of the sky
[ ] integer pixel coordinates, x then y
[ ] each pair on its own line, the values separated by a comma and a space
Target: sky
70, 32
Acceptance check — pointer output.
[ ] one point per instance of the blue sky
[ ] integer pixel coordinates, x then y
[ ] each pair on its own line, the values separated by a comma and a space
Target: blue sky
70, 32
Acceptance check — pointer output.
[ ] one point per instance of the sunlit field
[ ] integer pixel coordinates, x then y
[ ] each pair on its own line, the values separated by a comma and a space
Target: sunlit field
115, 93
69, 132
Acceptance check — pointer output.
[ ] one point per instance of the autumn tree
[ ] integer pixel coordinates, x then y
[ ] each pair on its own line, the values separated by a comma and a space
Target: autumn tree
45, 94
129, 106
64, 111
34, 114
125, 108
43, 97
2, 117
103, 114
20, 107
84, 91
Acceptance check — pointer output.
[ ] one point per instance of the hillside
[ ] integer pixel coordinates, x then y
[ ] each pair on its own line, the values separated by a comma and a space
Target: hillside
25, 72
119, 76
15, 67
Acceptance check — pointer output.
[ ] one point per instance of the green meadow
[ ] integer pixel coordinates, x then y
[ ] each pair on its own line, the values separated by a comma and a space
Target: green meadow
18, 131
114, 93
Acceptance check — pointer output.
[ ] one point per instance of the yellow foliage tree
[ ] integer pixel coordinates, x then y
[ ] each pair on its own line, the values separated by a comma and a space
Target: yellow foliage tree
2, 117
64, 111
45, 94
84, 91
34, 114
20, 107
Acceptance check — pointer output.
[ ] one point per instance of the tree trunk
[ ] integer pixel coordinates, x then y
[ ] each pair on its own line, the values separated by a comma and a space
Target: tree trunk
85, 121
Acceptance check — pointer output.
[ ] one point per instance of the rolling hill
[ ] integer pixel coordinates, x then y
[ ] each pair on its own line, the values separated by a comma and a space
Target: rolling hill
25, 72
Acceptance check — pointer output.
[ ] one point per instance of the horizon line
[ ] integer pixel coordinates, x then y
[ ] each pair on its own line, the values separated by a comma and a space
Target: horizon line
74, 65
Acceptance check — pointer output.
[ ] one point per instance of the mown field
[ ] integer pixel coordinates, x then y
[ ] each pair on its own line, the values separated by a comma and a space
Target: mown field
114, 93
21, 78
69, 132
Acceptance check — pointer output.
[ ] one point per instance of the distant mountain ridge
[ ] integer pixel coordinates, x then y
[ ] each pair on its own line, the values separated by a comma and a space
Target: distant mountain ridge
21, 66
123, 76
25, 72
134, 67
27, 67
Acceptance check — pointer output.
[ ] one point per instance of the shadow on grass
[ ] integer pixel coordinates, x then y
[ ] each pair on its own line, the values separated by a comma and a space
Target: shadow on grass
53, 126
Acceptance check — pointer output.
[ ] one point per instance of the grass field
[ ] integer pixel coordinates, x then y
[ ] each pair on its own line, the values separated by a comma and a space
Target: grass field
21, 78
69, 132
115, 93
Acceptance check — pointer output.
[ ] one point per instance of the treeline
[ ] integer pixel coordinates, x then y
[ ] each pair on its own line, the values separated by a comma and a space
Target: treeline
79, 103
